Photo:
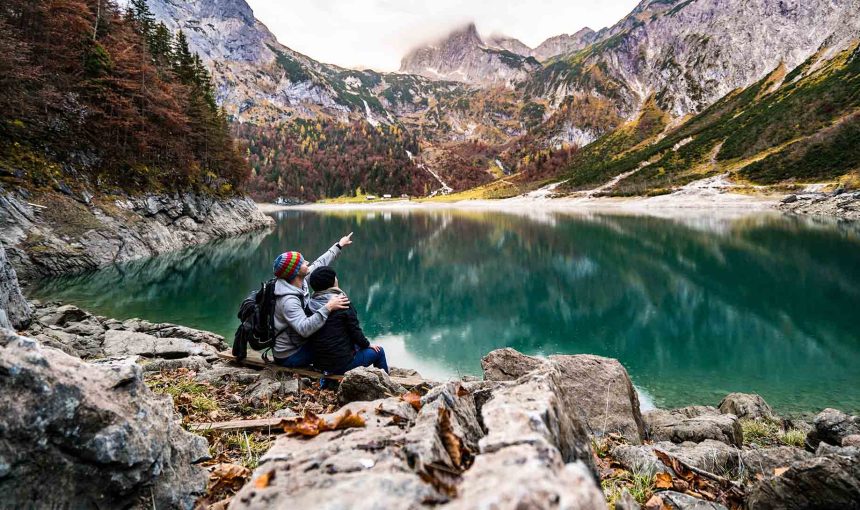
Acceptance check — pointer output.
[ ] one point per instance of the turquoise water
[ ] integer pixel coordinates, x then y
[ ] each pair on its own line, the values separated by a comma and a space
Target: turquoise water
694, 308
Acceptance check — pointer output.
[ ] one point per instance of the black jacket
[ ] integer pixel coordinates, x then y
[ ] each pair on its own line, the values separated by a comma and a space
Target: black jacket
335, 343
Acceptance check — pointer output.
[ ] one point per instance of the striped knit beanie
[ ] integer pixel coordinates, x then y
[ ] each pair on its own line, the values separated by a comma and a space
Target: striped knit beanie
287, 265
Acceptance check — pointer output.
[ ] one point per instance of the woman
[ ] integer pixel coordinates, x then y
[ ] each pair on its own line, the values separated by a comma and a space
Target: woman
339, 345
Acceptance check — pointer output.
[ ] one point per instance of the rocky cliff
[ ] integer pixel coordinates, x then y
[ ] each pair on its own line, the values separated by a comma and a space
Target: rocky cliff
463, 56
52, 234
260, 80
688, 54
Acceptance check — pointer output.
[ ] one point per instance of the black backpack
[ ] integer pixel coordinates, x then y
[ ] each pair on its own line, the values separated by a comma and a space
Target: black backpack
257, 329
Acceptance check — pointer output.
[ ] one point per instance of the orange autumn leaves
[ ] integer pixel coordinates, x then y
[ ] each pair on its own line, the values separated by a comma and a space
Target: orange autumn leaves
310, 424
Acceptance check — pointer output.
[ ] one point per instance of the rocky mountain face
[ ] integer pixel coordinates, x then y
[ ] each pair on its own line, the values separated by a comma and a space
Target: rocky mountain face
554, 46
687, 54
260, 80
463, 56
564, 44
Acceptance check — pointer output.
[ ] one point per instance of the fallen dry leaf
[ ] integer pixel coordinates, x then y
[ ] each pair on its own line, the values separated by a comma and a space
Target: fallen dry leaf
263, 481
779, 471
663, 481
311, 425
412, 399
461, 391
227, 475
347, 420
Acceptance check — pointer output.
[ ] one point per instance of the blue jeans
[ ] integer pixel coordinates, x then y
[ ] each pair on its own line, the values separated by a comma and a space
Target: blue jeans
366, 358
301, 358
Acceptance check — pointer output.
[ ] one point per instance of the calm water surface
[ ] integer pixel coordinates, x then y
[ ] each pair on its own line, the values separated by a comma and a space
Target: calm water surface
694, 308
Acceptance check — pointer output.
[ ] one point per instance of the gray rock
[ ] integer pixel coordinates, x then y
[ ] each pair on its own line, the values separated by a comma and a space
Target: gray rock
222, 373
12, 302
533, 412
678, 501
86, 327
602, 390
599, 388
284, 413
626, 502
366, 384
123, 232
124, 343
63, 315
261, 392
709, 455
763, 461
831, 426
74, 345
676, 427
196, 363
402, 372
94, 433
362, 468
851, 440
508, 364
746, 405
520, 476
828, 481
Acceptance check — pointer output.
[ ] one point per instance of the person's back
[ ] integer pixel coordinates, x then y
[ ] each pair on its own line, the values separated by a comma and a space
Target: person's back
339, 345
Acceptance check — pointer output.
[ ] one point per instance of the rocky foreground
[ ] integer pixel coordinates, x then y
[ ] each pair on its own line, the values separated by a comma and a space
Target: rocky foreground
103, 409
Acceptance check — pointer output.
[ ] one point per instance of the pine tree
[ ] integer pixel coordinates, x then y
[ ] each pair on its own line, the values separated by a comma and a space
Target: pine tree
183, 61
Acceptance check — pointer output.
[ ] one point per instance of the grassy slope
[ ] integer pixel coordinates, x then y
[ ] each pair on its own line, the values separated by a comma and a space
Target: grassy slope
807, 129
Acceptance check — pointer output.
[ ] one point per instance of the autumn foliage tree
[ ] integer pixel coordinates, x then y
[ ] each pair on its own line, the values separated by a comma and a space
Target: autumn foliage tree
111, 98
312, 159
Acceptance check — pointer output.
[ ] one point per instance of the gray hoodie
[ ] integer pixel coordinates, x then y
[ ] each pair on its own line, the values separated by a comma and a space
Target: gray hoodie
290, 310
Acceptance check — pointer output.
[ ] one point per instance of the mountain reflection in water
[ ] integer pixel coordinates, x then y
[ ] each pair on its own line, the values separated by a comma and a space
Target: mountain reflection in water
694, 308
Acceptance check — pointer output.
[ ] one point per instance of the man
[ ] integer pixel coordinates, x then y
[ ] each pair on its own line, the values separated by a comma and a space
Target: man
291, 319
340, 345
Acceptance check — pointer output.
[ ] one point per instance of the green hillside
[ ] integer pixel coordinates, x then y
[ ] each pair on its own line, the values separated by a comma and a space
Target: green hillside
789, 127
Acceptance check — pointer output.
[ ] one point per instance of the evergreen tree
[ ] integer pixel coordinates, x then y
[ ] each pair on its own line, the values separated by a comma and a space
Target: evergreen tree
183, 60
160, 46
143, 17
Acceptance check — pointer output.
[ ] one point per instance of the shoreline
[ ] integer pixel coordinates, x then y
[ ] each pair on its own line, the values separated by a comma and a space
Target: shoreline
682, 202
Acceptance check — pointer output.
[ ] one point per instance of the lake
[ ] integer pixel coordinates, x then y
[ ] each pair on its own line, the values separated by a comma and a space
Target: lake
694, 307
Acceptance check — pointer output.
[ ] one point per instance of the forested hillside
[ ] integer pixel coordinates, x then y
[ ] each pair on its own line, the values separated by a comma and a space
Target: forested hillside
310, 160
100, 98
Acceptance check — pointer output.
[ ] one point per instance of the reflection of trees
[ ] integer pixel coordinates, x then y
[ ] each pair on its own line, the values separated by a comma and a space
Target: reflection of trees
691, 308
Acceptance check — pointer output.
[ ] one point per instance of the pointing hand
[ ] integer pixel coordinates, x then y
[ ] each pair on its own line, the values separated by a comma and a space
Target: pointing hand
345, 240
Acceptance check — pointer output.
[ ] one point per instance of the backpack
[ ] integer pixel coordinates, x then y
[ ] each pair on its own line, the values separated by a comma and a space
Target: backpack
257, 314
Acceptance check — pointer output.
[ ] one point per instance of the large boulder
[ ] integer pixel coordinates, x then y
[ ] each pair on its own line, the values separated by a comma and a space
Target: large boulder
766, 461
126, 343
81, 435
14, 309
598, 388
827, 481
709, 455
746, 405
533, 412
366, 384
832, 426
520, 477
508, 364
602, 390
677, 426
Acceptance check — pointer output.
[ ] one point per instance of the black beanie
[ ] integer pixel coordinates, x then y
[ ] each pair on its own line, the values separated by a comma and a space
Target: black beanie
322, 278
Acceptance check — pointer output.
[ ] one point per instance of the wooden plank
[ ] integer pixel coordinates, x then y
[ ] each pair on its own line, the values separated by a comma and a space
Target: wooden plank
226, 426
255, 360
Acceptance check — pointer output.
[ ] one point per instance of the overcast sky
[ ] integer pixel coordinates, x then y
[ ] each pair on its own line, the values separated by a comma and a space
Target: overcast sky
377, 33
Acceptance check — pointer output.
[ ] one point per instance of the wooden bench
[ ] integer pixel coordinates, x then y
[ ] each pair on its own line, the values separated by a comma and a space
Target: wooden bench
254, 360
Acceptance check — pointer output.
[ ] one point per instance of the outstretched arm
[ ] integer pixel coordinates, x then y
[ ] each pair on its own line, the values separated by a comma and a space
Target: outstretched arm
328, 257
